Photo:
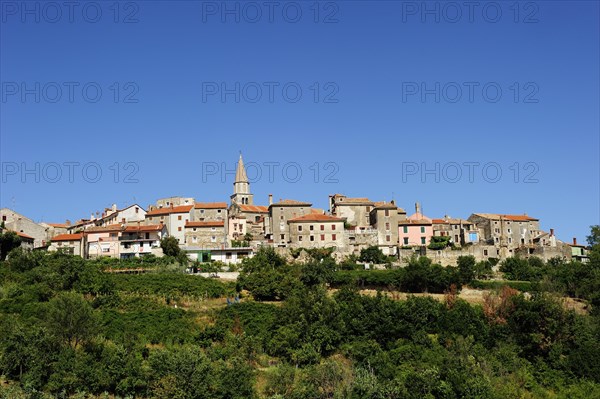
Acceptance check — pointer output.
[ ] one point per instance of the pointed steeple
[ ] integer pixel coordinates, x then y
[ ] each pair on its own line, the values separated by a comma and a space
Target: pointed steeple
241, 185
240, 173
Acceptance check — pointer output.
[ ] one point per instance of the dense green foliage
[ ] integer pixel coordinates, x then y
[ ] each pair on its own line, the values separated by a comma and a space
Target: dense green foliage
9, 240
68, 329
421, 275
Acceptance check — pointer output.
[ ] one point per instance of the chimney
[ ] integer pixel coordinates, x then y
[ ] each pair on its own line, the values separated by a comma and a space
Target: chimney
417, 208
114, 207
574, 240
270, 199
551, 232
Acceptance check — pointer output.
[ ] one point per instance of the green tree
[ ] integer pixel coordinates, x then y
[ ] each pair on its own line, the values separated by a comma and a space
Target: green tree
9, 240
466, 268
267, 275
373, 255
71, 319
170, 246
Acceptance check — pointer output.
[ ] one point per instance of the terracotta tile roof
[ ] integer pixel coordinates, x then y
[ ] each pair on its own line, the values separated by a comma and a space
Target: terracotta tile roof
23, 235
205, 224
354, 201
289, 202
105, 229
169, 210
68, 237
385, 205
58, 224
316, 217
519, 218
144, 228
450, 221
210, 205
254, 208
516, 218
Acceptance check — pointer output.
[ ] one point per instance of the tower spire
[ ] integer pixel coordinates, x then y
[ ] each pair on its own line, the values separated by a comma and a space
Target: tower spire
240, 173
241, 185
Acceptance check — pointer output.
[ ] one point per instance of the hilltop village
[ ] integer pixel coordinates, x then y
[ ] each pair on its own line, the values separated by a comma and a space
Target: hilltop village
229, 232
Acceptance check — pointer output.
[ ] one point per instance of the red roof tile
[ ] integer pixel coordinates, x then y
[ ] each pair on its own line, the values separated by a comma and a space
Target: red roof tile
254, 208
23, 235
169, 210
210, 205
316, 217
289, 202
68, 237
144, 228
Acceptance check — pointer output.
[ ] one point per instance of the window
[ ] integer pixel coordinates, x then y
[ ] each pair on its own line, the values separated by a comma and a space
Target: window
299, 228
456, 238
137, 209
405, 229
508, 231
227, 255
194, 239
312, 238
322, 237
509, 240
218, 211
179, 217
147, 236
387, 212
179, 228
201, 210
282, 236
387, 225
423, 240
299, 238
322, 227
213, 229
422, 229
311, 228
485, 252
194, 229
388, 238
405, 240
281, 217
333, 227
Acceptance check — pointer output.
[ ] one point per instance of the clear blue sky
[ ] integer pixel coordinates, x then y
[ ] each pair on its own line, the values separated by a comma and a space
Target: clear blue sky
370, 119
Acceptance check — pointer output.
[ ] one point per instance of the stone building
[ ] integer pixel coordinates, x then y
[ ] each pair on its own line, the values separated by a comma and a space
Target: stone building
18, 223
314, 230
356, 211
507, 232
209, 211
172, 201
460, 231
130, 214
280, 213
67, 243
173, 218
206, 234
384, 218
